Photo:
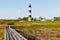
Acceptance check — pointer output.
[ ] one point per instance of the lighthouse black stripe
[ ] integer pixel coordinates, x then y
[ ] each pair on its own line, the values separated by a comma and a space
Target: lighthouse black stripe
30, 16
30, 5
30, 11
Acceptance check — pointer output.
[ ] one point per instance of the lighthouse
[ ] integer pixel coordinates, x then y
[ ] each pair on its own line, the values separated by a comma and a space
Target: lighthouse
29, 13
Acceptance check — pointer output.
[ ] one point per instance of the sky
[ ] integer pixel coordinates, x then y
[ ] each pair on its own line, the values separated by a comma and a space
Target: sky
13, 9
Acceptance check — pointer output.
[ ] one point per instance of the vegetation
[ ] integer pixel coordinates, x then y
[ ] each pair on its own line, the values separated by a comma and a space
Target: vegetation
23, 24
44, 29
1, 33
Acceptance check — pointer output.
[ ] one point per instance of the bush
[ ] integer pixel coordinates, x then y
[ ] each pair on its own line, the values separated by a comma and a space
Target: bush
11, 23
2, 23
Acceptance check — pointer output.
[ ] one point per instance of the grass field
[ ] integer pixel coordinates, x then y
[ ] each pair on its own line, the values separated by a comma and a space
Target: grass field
48, 30
39, 24
1, 33
31, 27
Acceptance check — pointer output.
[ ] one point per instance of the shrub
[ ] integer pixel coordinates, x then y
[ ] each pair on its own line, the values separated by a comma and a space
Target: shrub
11, 23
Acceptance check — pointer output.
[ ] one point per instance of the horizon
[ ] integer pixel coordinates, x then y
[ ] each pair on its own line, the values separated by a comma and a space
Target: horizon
13, 9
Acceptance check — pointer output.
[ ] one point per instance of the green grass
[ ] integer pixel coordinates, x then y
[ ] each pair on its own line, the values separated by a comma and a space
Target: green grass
39, 24
29, 25
33, 24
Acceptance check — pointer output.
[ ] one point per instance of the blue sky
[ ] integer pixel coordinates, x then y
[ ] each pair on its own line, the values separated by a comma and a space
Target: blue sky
12, 9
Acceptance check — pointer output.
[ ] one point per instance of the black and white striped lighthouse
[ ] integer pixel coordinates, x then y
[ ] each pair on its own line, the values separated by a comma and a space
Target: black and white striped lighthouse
29, 13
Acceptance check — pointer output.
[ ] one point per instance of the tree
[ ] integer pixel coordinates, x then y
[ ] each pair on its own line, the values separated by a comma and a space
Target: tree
19, 18
25, 18
56, 18
40, 18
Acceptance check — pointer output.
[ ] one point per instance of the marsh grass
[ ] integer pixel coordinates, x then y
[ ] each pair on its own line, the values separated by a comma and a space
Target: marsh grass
1, 33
